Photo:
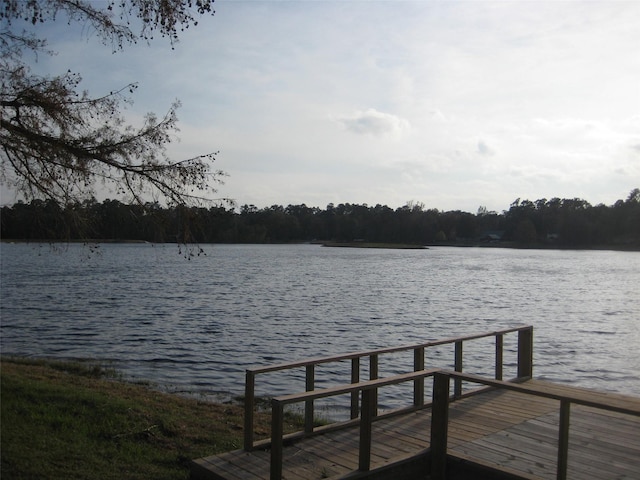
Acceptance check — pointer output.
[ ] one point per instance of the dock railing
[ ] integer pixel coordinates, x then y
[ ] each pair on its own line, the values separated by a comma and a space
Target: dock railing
442, 397
439, 414
368, 390
524, 370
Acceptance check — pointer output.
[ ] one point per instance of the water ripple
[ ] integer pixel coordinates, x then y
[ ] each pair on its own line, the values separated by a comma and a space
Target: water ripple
195, 326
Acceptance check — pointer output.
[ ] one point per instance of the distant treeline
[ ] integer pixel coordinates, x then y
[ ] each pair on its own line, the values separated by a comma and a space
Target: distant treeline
556, 222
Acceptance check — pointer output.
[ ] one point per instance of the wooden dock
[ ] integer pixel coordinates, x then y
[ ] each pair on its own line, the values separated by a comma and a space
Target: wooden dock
498, 429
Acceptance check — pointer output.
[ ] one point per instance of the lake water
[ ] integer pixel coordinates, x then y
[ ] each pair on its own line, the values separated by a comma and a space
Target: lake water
194, 326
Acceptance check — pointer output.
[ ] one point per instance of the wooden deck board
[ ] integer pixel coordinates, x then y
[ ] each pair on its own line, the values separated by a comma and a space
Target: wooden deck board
531, 446
498, 427
344, 454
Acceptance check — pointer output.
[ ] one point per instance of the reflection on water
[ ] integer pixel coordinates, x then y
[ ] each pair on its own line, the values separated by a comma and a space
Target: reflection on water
194, 326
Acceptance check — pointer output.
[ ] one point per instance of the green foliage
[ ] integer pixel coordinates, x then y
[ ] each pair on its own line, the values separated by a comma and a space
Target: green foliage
526, 232
556, 222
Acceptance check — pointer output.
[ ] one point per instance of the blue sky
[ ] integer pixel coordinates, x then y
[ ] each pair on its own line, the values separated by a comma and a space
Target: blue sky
453, 104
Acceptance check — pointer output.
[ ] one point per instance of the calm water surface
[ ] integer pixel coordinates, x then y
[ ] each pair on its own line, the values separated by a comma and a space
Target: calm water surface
194, 326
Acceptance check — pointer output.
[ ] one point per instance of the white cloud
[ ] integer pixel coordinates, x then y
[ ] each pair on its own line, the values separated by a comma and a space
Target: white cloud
484, 149
460, 103
375, 123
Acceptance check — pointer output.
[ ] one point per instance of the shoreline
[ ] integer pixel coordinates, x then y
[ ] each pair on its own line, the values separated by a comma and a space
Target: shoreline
380, 245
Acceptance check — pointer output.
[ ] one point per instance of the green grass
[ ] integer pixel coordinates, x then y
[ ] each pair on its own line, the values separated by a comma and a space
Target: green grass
63, 420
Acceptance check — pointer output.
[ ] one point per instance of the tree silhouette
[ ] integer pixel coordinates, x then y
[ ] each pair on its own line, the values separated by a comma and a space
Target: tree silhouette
58, 142
544, 223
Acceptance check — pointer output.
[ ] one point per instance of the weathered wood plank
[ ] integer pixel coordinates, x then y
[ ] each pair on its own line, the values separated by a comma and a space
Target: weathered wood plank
231, 468
343, 454
529, 447
502, 428
500, 458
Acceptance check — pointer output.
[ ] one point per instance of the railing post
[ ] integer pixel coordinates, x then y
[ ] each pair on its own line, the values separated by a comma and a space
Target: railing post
525, 353
418, 384
499, 355
457, 383
439, 425
364, 457
373, 375
563, 440
308, 405
355, 378
249, 399
277, 413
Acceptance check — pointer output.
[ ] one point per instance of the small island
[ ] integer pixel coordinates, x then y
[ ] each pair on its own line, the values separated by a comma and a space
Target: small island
358, 244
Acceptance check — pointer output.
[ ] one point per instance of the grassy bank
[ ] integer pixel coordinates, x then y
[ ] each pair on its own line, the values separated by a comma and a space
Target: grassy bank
76, 421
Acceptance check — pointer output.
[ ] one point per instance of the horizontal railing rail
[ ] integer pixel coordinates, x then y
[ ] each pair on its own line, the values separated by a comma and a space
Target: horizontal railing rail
368, 389
524, 370
442, 396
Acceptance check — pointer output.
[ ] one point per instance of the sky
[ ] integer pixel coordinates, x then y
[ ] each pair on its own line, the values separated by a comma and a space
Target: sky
451, 104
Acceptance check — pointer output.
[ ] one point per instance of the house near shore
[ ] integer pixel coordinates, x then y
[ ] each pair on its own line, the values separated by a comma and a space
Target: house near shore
491, 236
552, 237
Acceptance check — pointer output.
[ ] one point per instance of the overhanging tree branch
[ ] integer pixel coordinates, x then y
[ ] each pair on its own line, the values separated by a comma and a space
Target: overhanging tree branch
60, 143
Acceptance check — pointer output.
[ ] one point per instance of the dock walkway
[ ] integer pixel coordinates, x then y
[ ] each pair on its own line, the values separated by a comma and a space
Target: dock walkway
505, 430
518, 429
